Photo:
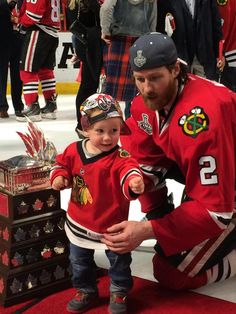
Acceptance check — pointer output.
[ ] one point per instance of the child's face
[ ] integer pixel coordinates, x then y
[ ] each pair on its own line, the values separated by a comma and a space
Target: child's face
104, 135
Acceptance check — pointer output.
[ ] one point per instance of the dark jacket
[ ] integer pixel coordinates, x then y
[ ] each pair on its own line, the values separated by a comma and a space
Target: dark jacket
5, 22
199, 36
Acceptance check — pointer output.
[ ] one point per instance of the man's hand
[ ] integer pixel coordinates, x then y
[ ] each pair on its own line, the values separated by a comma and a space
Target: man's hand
221, 64
136, 184
106, 38
127, 235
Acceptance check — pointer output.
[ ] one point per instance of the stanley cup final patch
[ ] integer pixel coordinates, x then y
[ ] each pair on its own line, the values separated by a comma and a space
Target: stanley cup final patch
194, 123
140, 60
145, 125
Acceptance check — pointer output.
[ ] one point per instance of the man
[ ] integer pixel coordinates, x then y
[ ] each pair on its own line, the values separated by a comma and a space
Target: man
195, 27
9, 59
40, 21
227, 10
196, 241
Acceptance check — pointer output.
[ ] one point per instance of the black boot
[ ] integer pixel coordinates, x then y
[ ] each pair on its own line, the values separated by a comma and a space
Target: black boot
49, 111
32, 112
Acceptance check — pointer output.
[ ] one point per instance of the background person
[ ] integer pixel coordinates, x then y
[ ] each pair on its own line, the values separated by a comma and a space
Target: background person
195, 27
90, 54
228, 11
40, 21
9, 56
122, 22
196, 241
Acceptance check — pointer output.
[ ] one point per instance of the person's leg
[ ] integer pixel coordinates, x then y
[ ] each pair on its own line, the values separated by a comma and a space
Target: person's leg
4, 59
48, 83
121, 280
16, 83
212, 260
83, 279
29, 67
87, 87
47, 76
83, 268
30, 90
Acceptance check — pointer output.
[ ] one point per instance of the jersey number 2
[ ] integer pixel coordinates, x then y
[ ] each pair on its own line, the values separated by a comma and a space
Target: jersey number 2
207, 172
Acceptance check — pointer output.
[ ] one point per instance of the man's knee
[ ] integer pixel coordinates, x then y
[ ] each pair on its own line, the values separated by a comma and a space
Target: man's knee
170, 277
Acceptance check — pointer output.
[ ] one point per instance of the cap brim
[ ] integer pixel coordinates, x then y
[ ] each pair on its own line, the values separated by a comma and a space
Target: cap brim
182, 61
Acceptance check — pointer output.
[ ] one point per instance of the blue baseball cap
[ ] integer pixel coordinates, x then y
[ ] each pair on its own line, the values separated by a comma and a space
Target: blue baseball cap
152, 50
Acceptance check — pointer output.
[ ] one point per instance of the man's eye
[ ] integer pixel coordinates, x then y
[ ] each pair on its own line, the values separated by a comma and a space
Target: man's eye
140, 79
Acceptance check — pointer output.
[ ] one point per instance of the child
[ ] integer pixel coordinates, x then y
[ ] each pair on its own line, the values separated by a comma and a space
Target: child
104, 178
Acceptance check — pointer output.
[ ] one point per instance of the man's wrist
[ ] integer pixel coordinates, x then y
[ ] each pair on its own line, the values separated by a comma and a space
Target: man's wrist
148, 232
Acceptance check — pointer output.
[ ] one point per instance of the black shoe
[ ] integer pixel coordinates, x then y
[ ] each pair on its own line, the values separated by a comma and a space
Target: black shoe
82, 302
49, 111
32, 112
19, 107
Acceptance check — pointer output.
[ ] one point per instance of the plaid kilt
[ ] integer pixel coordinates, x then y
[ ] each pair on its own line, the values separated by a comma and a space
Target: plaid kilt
119, 80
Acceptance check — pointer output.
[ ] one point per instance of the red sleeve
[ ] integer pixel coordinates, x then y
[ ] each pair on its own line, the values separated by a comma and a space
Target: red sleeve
64, 164
128, 168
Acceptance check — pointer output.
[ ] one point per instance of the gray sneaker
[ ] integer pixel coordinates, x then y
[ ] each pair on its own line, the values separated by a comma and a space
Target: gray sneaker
32, 112
49, 111
82, 302
118, 303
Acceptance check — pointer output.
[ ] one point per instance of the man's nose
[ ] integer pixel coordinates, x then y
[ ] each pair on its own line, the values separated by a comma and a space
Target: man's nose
147, 86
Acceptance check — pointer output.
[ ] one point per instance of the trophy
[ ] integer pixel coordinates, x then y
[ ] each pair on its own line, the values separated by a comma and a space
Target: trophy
26, 173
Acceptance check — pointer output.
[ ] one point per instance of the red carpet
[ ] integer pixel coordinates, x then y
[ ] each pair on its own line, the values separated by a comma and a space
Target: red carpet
146, 297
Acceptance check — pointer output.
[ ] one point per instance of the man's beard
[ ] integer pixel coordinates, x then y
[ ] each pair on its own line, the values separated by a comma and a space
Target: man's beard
154, 102
150, 103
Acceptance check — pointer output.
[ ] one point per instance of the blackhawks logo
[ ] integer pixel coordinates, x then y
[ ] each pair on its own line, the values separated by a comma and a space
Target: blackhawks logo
194, 123
80, 191
222, 2
123, 153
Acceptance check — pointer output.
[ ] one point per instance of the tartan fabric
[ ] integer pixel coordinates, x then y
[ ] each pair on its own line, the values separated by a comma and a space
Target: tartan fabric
119, 81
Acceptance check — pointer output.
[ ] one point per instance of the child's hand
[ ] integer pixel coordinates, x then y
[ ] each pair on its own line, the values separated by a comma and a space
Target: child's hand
60, 183
137, 185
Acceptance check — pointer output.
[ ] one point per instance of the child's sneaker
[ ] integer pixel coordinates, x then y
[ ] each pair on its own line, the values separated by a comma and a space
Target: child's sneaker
118, 303
82, 302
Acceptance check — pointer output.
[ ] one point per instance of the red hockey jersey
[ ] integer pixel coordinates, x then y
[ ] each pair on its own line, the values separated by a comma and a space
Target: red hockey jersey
200, 136
227, 10
43, 13
100, 190
152, 160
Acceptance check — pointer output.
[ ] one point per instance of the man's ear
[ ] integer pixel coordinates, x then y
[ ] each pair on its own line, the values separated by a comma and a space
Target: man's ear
176, 68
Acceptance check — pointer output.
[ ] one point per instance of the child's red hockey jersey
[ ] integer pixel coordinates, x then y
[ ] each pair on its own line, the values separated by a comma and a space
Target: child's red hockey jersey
100, 191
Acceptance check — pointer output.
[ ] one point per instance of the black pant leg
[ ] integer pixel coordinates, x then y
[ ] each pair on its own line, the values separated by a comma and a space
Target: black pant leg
16, 83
